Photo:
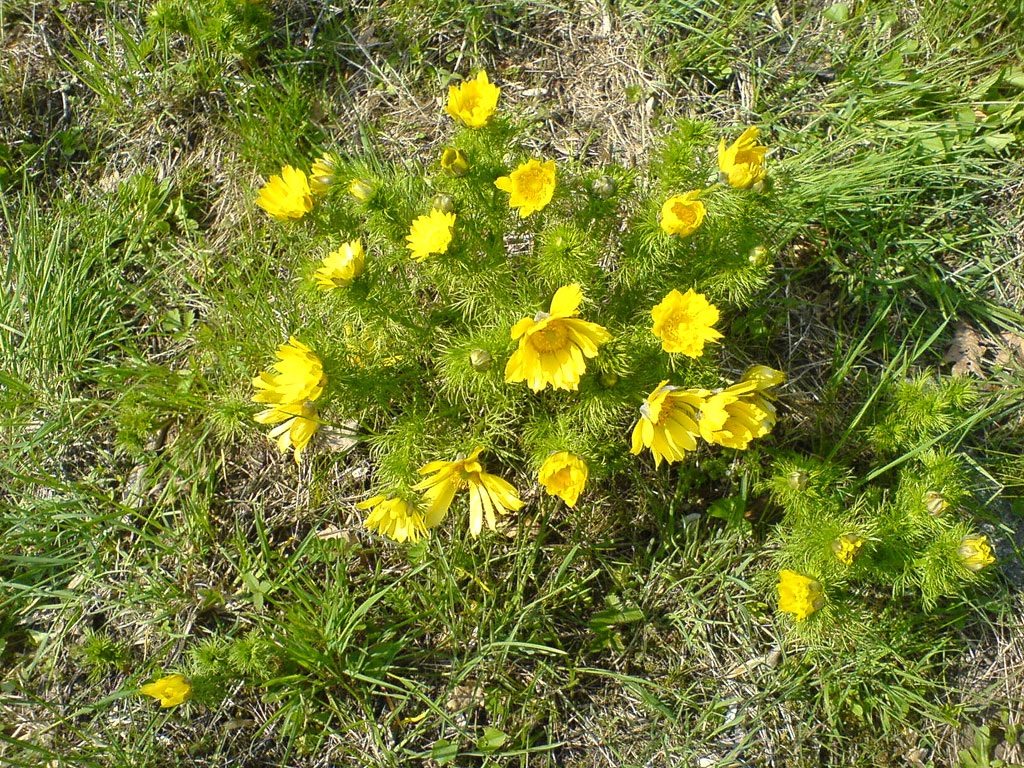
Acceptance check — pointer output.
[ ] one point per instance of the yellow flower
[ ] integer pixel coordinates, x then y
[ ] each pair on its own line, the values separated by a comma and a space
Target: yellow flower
742, 412
342, 266
321, 175
846, 547
975, 552
454, 161
683, 322
799, 594
530, 186
741, 164
395, 518
473, 103
668, 422
171, 690
360, 190
564, 474
286, 196
431, 234
488, 494
553, 345
299, 380
682, 214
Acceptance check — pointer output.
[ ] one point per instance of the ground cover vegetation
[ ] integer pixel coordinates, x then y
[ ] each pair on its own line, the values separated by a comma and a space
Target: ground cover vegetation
511, 383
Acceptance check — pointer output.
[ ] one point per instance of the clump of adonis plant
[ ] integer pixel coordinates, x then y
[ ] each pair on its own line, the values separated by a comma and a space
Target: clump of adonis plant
507, 328
857, 543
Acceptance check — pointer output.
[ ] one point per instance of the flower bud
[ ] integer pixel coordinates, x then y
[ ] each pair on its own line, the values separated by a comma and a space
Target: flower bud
797, 479
935, 503
975, 552
758, 256
360, 190
846, 547
761, 186
603, 187
454, 161
443, 203
608, 379
480, 359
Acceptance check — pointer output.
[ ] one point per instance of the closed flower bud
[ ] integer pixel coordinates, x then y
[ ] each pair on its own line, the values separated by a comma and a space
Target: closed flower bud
846, 547
935, 503
455, 161
480, 359
797, 479
360, 190
761, 186
609, 379
975, 552
758, 256
603, 187
443, 203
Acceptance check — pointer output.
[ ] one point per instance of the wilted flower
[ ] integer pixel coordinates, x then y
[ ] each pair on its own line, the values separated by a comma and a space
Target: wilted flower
360, 190
454, 161
741, 164
668, 422
799, 594
530, 186
603, 187
846, 547
395, 518
682, 214
564, 474
322, 173
431, 234
488, 494
287, 196
742, 412
299, 380
683, 322
342, 266
553, 345
171, 690
975, 552
473, 103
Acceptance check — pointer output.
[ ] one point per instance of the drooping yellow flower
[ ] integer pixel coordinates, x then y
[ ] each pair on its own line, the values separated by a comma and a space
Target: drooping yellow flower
454, 161
975, 552
741, 164
742, 412
342, 266
473, 103
395, 518
530, 186
287, 196
431, 234
847, 547
171, 690
322, 174
668, 422
683, 322
682, 214
564, 474
553, 346
799, 594
488, 494
290, 392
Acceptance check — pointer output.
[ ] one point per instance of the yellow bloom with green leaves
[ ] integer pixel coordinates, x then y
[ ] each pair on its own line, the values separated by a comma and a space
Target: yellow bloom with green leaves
975, 552
668, 422
683, 322
489, 495
171, 690
682, 215
742, 412
564, 475
742, 163
554, 346
323, 173
799, 594
847, 547
394, 517
298, 379
530, 186
473, 103
287, 196
431, 234
341, 266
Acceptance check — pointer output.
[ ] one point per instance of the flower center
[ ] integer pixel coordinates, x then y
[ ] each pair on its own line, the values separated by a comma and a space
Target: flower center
552, 338
530, 184
684, 212
678, 323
